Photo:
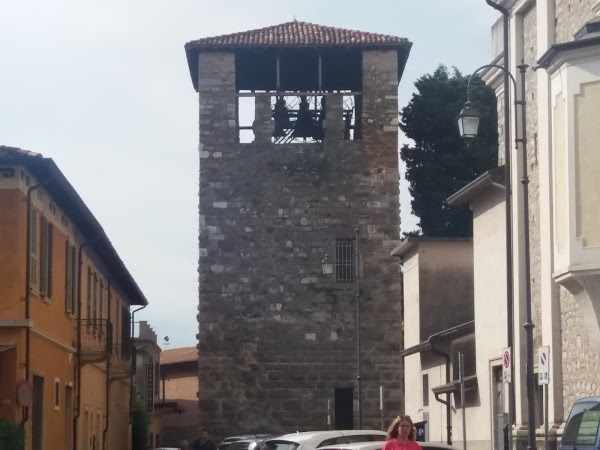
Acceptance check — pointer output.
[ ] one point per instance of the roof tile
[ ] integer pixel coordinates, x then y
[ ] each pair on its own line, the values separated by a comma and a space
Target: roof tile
298, 34
179, 355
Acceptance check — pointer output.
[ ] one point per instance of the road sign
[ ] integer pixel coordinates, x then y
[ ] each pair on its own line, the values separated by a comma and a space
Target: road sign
506, 365
543, 365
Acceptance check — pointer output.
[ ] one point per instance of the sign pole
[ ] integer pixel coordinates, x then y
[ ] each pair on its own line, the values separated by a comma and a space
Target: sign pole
544, 379
545, 417
461, 371
381, 405
507, 379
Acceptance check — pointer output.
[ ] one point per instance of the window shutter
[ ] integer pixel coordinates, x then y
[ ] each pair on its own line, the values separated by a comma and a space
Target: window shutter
74, 270
89, 294
95, 301
49, 263
33, 256
68, 279
43, 256
101, 312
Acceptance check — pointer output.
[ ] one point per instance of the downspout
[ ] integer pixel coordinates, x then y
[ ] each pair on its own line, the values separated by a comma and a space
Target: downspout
508, 200
109, 343
131, 353
25, 410
78, 362
446, 356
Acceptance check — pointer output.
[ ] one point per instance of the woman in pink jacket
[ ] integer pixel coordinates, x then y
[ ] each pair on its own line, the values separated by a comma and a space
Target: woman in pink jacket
401, 435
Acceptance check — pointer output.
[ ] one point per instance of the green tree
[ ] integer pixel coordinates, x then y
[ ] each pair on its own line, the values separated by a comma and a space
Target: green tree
139, 424
12, 435
438, 162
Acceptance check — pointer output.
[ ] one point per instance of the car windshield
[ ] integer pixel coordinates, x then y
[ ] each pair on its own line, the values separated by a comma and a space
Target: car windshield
582, 426
239, 445
281, 445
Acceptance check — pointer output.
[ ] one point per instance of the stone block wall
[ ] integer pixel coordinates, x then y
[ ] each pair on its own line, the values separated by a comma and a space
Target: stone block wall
579, 359
276, 337
571, 15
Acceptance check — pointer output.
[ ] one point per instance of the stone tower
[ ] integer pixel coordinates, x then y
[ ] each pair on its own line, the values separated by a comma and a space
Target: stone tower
298, 173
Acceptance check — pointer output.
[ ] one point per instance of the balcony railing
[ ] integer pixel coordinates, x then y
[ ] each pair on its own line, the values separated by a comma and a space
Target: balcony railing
96, 339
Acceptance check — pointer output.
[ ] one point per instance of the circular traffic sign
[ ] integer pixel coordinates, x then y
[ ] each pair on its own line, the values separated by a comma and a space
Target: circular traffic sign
24, 393
506, 359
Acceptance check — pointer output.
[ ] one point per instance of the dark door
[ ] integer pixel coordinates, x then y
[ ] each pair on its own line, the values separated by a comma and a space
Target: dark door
37, 413
344, 411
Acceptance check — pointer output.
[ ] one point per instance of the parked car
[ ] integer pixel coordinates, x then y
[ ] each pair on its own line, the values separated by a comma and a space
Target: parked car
311, 440
582, 428
379, 444
225, 443
251, 444
376, 445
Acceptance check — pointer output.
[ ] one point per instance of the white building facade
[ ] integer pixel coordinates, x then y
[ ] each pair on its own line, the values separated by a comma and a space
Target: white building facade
560, 42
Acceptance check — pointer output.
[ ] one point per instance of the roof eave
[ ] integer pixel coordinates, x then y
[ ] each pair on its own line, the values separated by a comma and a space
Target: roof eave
45, 169
192, 49
465, 194
411, 242
548, 57
449, 334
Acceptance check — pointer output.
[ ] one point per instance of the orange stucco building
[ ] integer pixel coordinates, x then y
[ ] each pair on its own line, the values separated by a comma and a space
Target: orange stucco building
65, 313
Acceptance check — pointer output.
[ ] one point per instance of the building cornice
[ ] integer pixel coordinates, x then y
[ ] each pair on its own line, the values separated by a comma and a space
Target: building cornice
491, 178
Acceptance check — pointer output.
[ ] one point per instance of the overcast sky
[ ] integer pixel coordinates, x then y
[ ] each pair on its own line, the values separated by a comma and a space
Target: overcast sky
103, 88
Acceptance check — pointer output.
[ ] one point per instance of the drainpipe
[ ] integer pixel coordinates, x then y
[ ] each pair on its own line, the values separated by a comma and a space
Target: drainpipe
25, 410
78, 360
131, 353
446, 356
109, 342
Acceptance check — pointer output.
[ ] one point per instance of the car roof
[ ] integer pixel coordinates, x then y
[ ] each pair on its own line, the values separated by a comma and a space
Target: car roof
331, 433
588, 399
308, 436
374, 445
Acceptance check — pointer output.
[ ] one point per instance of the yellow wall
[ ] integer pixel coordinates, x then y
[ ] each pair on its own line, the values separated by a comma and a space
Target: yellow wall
53, 330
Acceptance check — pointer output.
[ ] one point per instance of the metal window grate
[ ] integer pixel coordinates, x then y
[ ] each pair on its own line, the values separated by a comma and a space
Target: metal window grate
345, 271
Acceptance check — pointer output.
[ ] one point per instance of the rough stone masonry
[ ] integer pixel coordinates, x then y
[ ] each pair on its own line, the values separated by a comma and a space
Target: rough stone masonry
277, 338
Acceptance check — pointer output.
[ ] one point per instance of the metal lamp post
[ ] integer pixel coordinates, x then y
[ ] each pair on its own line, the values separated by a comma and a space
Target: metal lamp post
327, 268
466, 124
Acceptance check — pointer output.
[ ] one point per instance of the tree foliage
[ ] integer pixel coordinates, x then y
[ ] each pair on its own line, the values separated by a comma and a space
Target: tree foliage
140, 425
438, 162
12, 435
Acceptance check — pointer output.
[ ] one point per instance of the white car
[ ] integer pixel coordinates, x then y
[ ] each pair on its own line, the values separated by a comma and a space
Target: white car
380, 444
311, 440
377, 445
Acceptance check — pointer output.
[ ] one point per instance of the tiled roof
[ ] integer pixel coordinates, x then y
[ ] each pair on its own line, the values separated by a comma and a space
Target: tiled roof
298, 34
179, 355
15, 152
64, 194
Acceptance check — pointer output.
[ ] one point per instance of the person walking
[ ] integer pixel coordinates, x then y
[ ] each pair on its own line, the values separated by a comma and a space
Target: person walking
184, 445
203, 442
401, 435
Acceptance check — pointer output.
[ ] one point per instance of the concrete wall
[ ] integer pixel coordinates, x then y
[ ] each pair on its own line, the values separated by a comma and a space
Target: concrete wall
181, 385
266, 213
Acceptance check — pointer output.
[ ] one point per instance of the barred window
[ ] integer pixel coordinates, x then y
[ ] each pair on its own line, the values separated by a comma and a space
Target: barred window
345, 260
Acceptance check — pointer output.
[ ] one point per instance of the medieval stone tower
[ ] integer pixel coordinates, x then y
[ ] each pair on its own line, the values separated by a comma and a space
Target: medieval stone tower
298, 176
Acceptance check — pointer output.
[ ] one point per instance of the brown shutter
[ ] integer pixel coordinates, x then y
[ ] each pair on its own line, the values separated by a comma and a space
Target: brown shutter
49, 263
33, 256
43, 286
68, 279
